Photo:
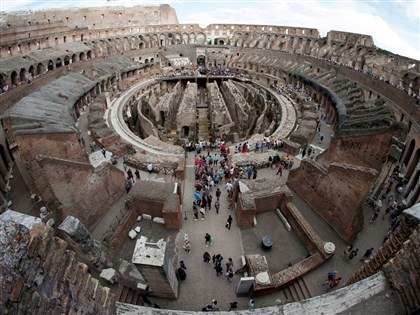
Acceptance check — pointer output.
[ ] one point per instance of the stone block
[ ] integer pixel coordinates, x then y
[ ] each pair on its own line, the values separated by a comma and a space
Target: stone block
158, 220
109, 274
14, 295
132, 234
147, 217
139, 218
137, 229
142, 286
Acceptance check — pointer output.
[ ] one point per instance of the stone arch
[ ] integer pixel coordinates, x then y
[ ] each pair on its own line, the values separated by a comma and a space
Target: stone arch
23, 75
31, 71
192, 38
39, 69
66, 60
14, 78
185, 38
2, 82
50, 66
89, 54
162, 40
82, 56
58, 63
141, 45
74, 58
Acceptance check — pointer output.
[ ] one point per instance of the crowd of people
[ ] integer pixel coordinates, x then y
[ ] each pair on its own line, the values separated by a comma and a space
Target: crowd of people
199, 72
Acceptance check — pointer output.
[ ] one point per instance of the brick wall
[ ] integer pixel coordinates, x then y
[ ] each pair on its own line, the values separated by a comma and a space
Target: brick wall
41, 276
336, 193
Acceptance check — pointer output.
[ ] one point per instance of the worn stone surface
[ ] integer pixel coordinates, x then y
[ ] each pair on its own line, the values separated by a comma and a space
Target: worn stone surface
336, 193
40, 273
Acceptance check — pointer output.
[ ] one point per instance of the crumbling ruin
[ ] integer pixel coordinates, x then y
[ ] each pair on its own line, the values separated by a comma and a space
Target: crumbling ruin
150, 87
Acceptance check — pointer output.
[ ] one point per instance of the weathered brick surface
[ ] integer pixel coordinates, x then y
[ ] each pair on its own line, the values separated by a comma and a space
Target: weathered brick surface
336, 193
50, 280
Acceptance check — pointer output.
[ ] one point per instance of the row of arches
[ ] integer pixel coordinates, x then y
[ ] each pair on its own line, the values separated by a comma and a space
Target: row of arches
17, 77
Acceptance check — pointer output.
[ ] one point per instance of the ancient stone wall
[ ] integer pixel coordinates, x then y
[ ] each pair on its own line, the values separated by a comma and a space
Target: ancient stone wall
40, 275
367, 151
188, 110
238, 107
87, 193
336, 193
96, 17
220, 116
61, 145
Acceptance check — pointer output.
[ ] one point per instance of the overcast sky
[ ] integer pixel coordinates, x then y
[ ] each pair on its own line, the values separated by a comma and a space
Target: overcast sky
394, 24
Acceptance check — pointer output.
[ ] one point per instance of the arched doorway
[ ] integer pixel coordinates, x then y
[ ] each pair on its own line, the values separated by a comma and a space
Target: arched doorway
31, 71
23, 75
58, 63
50, 65
39, 69
2, 82
82, 56
66, 60
14, 78
185, 131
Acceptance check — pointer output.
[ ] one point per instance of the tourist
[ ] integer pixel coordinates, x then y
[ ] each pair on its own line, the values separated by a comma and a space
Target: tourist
249, 171
251, 305
195, 212
229, 274
150, 168
197, 198
206, 257
202, 212
367, 254
254, 176
128, 186
218, 194
233, 306
374, 216
330, 277
218, 268
229, 222
206, 308
229, 264
182, 274
137, 174
353, 253
103, 152
207, 239
209, 200
347, 252
214, 306
217, 206
334, 283
280, 170
187, 244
